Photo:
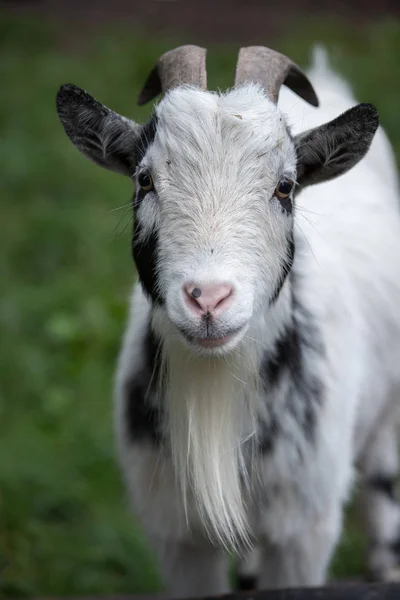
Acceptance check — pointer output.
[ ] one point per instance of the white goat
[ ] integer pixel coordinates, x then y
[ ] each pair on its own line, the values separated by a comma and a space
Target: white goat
261, 360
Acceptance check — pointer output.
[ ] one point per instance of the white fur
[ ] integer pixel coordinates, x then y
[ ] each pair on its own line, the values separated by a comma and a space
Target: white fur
217, 193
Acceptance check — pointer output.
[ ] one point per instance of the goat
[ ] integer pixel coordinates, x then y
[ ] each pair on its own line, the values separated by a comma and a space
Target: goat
259, 368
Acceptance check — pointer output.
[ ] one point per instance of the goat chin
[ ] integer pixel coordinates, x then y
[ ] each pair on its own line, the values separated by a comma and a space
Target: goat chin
211, 406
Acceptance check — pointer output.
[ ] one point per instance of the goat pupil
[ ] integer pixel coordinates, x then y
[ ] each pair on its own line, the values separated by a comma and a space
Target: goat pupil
144, 180
285, 187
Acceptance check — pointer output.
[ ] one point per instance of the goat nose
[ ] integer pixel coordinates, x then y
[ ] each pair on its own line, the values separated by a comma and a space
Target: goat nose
211, 298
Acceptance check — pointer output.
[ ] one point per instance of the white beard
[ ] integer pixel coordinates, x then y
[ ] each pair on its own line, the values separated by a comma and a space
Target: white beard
211, 406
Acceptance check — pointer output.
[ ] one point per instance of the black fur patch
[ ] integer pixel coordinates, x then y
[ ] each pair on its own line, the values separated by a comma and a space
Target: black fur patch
304, 395
145, 251
386, 484
286, 204
143, 420
145, 257
286, 268
147, 135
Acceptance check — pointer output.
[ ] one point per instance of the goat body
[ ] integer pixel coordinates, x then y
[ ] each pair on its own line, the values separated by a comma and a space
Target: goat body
254, 448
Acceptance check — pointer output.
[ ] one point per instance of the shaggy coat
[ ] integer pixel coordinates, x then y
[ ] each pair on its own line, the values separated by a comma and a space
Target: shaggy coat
243, 432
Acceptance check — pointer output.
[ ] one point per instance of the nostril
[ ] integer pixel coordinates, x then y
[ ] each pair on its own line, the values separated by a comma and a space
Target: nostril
208, 299
196, 293
225, 295
192, 294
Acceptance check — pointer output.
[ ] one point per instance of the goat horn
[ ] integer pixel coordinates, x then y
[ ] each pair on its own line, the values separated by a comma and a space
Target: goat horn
272, 69
183, 65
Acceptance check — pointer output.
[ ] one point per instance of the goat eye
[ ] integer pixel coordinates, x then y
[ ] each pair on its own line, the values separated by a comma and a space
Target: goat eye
283, 189
145, 181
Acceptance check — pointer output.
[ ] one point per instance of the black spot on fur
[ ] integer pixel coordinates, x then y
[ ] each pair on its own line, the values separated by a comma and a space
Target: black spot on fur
268, 432
303, 395
286, 268
286, 356
386, 484
143, 420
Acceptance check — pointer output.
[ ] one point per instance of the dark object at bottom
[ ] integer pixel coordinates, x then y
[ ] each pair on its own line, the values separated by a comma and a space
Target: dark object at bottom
246, 583
342, 591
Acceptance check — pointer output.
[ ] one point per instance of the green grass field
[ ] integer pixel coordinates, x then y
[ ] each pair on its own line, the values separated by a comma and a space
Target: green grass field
66, 272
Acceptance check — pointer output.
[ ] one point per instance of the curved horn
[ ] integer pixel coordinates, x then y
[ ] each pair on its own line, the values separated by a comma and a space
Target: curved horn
186, 64
272, 69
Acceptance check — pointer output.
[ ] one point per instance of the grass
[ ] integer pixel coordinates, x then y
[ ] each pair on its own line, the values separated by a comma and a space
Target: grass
66, 272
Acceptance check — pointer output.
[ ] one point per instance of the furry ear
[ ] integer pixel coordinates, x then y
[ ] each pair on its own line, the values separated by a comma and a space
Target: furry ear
102, 135
332, 149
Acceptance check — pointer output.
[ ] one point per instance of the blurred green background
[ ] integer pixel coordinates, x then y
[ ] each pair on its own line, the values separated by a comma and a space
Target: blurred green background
65, 276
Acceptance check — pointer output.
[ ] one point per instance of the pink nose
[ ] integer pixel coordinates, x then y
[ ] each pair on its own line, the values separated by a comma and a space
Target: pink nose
211, 298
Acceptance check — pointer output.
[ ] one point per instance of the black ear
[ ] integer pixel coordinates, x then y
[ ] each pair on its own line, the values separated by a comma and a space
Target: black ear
332, 149
101, 134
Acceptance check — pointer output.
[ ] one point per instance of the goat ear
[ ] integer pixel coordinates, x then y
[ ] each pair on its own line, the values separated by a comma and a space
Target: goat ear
332, 149
102, 135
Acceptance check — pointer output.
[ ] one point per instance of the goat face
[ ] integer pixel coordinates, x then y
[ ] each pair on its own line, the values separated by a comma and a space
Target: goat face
212, 239
215, 175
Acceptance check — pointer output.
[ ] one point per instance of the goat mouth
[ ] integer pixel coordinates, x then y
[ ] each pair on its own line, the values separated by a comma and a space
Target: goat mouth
214, 341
